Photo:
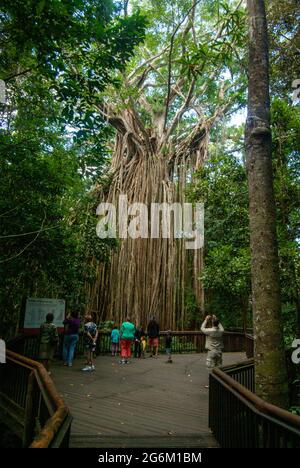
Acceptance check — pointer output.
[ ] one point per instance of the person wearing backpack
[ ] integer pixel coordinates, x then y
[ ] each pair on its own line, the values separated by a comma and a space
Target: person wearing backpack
48, 341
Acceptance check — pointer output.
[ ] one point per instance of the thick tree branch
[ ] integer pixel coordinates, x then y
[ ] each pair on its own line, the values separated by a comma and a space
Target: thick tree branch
195, 3
180, 111
146, 62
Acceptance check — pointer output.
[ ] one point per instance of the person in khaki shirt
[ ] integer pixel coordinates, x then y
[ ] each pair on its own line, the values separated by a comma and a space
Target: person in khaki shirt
214, 341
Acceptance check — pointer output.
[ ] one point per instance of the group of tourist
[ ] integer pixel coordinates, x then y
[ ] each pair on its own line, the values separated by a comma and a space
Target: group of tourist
127, 337
49, 340
130, 336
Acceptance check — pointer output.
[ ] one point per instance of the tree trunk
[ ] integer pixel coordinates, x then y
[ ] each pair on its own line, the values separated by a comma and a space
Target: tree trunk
270, 365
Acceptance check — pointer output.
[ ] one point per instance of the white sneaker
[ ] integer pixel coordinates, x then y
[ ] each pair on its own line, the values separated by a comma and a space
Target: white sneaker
87, 368
93, 367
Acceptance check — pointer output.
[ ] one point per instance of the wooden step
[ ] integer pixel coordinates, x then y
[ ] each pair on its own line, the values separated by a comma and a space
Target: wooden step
205, 440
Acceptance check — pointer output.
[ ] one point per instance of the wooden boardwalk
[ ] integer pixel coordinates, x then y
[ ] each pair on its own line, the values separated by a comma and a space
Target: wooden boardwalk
147, 403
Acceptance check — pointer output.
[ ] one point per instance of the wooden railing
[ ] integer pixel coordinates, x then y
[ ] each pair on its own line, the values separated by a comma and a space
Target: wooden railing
239, 419
249, 345
183, 342
292, 370
30, 405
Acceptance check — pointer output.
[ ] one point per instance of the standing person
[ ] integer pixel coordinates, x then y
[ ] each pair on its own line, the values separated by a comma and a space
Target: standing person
90, 341
139, 333
72, 325
126, 336
214, 341
48, 341
143, 346
169, 346
153, 334
115, 338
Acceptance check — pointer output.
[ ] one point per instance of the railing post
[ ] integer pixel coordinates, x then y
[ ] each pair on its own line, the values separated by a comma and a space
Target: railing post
66, 440
29, 421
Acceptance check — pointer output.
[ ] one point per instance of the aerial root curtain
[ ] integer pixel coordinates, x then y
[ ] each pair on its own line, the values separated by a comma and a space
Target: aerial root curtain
149, 276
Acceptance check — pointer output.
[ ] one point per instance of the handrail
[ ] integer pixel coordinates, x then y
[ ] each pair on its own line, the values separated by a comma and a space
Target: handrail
258, 402
162, 332
49, 385
51, 428
184, 341
240, 419
58, 411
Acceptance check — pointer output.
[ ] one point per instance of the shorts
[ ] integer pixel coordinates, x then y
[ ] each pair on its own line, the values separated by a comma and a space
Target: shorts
46, 351
153, 342
90, 347
214, 359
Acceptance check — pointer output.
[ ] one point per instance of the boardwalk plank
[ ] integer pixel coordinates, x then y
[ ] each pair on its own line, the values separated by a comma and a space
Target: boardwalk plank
145, 404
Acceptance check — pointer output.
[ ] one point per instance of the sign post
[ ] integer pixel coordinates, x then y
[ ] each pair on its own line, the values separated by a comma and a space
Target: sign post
37, 309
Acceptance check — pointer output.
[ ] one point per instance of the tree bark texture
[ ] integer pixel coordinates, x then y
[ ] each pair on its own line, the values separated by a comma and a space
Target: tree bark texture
270, 365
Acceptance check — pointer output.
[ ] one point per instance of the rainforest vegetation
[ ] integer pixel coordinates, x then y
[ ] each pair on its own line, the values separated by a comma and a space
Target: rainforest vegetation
147, 98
